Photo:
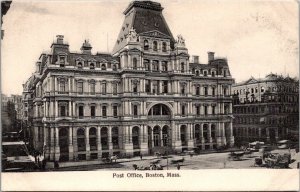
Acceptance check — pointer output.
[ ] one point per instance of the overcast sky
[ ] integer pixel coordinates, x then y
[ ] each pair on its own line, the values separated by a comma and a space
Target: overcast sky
257, 37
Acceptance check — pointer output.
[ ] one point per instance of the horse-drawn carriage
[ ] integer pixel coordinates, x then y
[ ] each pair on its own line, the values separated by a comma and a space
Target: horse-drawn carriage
176, 161
236, 155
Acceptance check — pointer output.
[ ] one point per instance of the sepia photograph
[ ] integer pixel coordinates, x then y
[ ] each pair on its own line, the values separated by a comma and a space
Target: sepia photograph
143, 90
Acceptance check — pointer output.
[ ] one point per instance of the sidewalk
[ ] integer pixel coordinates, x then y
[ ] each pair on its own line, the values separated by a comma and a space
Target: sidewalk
50, 165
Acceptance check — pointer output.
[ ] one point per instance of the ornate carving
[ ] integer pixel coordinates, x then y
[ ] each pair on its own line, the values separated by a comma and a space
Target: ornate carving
180, 41
132, 35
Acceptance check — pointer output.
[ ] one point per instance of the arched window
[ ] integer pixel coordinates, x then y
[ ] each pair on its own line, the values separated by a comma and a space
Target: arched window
154, 45
92, 66
159, 109
146, 45
79, 65
81, 140
134, 63
165, 136
156, 136
164, 46
115, 137
104, 138
135, 138
103, 67
213, 74
197, 133
93, 138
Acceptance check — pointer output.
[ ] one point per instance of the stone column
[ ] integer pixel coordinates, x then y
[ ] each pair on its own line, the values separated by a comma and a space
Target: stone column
191, 143
57, 150
202, 137
87, 143
110, 144
75, 145
128, 147
99, 146
70, 109
55, 84
56, 108
259, 133
161, 137
74, 109
143, 140
71, 149
46, 143
52, 144
231, 143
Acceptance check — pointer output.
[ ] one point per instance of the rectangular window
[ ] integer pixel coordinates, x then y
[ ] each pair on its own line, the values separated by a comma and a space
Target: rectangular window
197, 91
80, 111
63, 111
135, 88
213, 110
198, 110
205, 91
183, 89
205, 110
213, 91
93, 111
104, 114
80, 87
115, 111
155, 87
148, 86
103, 88
115, 88
183, 110
165, 86
92, 89
135, 110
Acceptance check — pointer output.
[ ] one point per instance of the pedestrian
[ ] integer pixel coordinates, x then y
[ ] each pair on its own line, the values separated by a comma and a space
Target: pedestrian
178, 166
141, 156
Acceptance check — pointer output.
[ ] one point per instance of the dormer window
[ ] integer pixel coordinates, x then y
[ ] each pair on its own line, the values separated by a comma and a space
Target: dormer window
92, 66
212, 73
197, 73
154, 45
225, 73
79, 65
103, 67
146, 45
62, 60
114, 67
164, 47
205, 73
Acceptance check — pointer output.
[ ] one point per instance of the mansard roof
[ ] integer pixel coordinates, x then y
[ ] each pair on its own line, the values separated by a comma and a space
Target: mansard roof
143, 17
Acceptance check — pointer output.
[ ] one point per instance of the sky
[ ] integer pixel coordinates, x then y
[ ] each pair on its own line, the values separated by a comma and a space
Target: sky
257, 37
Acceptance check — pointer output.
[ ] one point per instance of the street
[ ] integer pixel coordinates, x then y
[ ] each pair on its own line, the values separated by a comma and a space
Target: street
202, 161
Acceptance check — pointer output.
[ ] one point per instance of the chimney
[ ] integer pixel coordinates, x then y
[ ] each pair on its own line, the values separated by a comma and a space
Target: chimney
60, 39
86, 47
195, 59
211, 56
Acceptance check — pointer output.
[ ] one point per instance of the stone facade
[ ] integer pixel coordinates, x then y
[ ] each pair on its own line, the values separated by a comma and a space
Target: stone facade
266, 109
143, 98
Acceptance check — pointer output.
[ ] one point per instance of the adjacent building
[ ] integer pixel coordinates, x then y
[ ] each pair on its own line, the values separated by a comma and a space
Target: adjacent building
266, 109
11, 109
145, 96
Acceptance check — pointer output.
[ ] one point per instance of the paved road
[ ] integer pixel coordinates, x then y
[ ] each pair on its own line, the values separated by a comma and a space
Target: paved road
205, 161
